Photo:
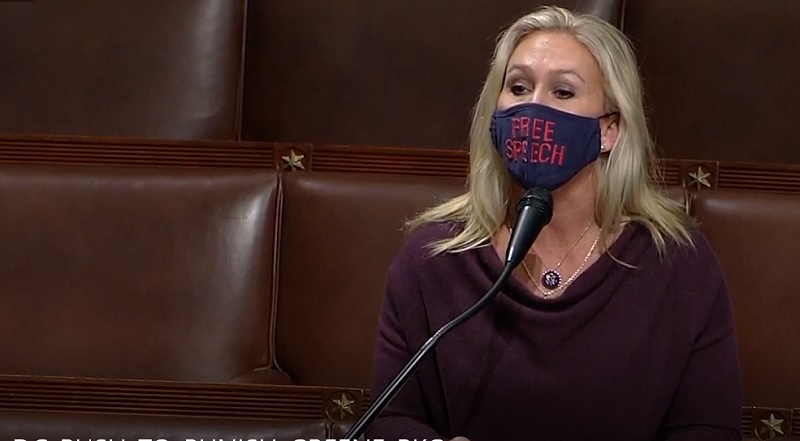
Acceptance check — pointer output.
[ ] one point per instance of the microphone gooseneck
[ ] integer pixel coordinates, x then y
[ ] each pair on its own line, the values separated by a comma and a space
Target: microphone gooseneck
534, 211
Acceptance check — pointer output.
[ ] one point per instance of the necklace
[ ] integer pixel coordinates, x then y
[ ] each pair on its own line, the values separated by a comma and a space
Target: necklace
548, 292
551, 278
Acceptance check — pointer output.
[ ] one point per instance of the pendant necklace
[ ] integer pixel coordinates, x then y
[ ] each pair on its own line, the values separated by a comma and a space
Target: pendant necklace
551, 278
547, 293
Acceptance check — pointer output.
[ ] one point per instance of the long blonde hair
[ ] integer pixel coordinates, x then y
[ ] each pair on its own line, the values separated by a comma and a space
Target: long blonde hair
626, 188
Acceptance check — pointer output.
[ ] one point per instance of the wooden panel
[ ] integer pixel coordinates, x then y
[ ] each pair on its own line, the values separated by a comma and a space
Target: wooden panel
78, 150
223, 400
166, 398
145, 68
389, 72
294, 402
698, 175
384, 160
770, 423
796, 423
773, 178
720, 78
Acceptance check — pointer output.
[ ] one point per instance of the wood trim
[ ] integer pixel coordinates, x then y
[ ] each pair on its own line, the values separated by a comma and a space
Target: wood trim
236, 401
381, 160
695, 174
172, 398
774, 178
76, 150
387, 160
768, 423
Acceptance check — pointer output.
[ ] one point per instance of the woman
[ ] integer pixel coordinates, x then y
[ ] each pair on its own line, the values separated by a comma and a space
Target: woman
617, 325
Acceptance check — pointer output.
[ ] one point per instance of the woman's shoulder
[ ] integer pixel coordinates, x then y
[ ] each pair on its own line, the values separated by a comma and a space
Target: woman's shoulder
698, 248
420, 242
416, 261
690, 241
706, 256
690, 257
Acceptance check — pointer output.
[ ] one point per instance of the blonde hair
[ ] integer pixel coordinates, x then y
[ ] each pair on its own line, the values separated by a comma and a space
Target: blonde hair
626, 191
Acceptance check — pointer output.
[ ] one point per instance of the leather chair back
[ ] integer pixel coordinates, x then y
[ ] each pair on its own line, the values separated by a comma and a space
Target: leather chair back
136, 273
144, 68
427, 76
339, 234
757, 238
718, 55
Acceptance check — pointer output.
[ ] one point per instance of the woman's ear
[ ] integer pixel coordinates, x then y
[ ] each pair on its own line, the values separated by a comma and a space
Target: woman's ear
609, 133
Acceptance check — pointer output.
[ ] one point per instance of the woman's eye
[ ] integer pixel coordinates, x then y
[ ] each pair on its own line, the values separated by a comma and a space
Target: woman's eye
563, 94
518, 89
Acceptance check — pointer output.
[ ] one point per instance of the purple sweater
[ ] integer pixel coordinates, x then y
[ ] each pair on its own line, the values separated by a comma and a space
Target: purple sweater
623, 354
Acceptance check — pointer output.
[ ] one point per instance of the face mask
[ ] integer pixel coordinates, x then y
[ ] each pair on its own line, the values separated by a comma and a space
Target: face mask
543, 146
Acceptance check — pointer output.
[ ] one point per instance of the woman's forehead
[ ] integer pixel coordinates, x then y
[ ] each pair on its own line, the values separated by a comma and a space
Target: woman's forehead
553, 51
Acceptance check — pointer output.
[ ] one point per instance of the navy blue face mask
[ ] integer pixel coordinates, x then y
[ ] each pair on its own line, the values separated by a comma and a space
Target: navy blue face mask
543, 146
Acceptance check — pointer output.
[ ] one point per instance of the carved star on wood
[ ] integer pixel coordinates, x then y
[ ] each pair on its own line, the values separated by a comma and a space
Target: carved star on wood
343, 405
700, 177
293, 160
772, 427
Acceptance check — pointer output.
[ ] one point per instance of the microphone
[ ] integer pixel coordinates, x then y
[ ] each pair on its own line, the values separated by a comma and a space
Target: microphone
534, 211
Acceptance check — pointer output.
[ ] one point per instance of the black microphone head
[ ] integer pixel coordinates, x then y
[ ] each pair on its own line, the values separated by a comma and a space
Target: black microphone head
534, 211
538, 198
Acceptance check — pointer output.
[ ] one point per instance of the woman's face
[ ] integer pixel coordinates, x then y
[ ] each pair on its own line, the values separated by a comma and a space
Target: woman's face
554, 69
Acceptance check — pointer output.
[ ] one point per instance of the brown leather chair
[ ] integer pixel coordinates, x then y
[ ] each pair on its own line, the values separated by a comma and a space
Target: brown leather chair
144, 68
214, 275
162, 274
716, 55
413, 87
757, 238
339, 233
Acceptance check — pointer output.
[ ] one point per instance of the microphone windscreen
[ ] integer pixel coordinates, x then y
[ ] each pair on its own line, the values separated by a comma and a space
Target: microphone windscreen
534, 211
